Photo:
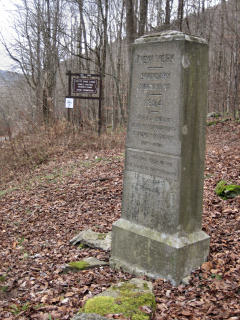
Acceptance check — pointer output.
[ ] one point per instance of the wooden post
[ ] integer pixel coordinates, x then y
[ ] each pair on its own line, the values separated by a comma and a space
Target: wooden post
69, 94
100, 108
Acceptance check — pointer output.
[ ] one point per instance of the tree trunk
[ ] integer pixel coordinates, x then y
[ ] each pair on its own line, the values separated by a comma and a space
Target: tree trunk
143, 17
180, 13
130, 29
168, 13
104, 18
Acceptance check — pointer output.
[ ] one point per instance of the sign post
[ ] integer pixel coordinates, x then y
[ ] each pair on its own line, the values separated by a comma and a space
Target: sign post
85, 86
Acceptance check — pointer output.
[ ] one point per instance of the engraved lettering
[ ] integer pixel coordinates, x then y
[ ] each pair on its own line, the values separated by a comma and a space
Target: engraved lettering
149, 134
154, 86
155, 76
142, 126
149, 117
152, 164
152, 101
143, 59
161, 58
155, 121
154, 144
165, 58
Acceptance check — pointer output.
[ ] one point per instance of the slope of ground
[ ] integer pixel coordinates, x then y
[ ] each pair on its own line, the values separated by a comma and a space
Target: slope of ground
80, 190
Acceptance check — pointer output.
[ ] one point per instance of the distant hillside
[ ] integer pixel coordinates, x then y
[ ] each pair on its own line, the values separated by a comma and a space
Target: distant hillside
6, 77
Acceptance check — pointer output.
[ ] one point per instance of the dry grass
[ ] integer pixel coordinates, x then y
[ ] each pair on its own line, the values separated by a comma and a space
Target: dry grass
27, 151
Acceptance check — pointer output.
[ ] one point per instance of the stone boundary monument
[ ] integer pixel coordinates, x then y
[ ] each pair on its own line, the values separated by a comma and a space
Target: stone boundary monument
159, 233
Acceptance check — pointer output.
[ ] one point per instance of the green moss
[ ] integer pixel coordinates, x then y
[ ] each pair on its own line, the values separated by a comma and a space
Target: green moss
79, 265
4, 288
82, 246
211, 123
128, 303
220, 187
100, 305
102, 236
216, 276
16, 309
2, 278
145, 286
126, 288
227, 191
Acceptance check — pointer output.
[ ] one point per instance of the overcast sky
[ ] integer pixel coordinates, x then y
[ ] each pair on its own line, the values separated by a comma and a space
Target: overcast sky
6, 16
7, 10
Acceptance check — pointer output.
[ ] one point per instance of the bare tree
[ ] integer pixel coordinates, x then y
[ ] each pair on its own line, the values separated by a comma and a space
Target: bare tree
36, 48
180, 13
142, 17
168, 10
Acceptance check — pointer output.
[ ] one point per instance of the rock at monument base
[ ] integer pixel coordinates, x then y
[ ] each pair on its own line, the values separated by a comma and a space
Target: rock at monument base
88, 316
86, 263
93, 239
132, 300
155, 254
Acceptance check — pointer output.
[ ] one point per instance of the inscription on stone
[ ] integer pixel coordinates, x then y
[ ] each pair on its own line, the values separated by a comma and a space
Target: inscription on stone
152, 164
160, 59
161, 87
155, 76
153, 101
156, 199
154, 97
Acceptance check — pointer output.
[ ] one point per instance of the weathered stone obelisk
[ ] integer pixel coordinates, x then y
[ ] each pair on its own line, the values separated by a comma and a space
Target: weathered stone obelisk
159, 233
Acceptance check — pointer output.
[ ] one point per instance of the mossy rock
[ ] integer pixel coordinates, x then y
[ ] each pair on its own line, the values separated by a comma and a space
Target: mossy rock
79, 265
82, 246
227, 191
133, 300
93, 239
84, 264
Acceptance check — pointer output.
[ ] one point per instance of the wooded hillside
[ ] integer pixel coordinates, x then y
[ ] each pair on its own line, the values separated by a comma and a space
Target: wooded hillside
95, 36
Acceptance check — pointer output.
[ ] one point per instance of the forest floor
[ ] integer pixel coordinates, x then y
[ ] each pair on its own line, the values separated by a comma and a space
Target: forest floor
78, 190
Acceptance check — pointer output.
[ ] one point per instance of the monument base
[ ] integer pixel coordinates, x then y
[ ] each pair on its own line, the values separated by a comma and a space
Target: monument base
143, 251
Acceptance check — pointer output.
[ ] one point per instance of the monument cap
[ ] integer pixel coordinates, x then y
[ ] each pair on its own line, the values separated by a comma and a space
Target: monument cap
169, 35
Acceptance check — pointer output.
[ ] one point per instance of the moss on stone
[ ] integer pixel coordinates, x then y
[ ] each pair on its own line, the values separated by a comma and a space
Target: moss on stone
128, 303
227, 191
79, 265
145, 286
126, 287
82, 246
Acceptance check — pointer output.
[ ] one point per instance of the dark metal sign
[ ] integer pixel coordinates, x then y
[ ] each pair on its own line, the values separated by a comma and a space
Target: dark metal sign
84, 86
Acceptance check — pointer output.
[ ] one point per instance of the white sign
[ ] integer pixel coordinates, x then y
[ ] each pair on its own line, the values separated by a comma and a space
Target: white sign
69, 103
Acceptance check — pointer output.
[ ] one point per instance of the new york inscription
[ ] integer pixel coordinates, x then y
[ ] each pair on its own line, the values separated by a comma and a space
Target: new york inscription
154, 119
